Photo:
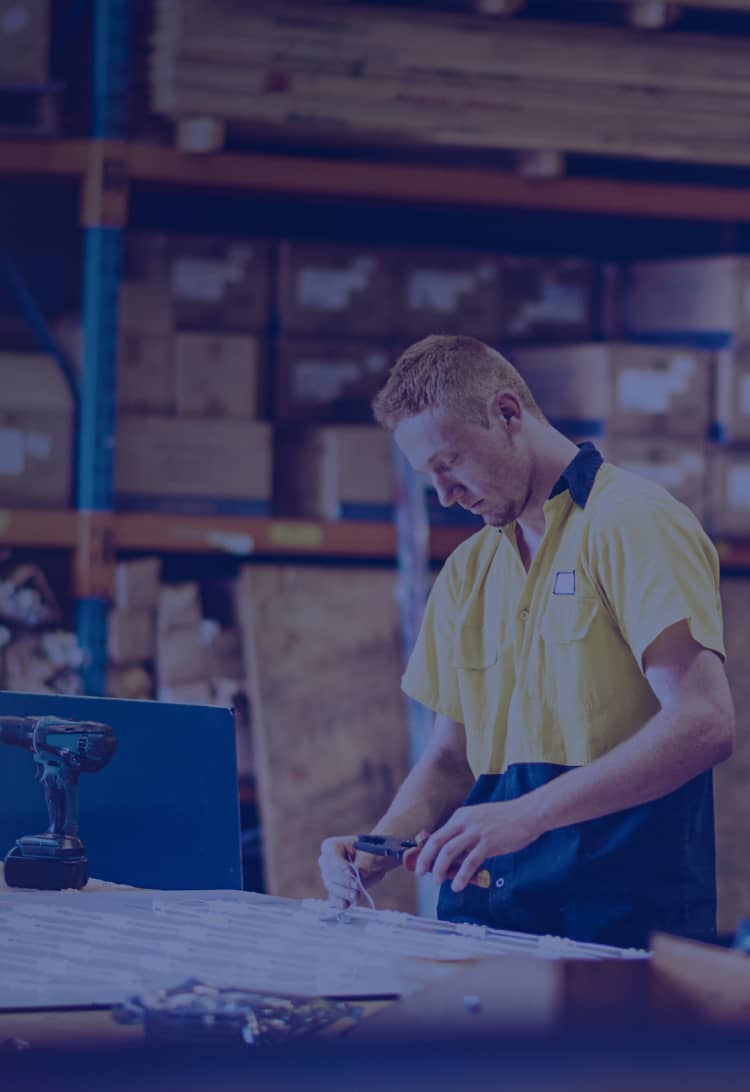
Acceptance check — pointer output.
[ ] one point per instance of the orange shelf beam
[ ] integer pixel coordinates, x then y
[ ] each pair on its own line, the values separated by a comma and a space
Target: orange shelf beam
38, 528
420, 183
41, 158
423, 183
245, 536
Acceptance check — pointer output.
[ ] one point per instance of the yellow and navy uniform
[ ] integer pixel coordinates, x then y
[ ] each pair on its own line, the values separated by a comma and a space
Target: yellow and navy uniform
545, 670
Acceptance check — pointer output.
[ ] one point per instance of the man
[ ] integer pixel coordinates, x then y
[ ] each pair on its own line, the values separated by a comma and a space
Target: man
572, 651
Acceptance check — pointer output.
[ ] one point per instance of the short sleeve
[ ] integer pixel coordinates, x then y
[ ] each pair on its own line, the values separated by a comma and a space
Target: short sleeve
429, 677
655, 566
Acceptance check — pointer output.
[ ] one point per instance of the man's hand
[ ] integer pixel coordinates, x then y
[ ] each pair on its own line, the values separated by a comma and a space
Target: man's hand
336, 861
473, 834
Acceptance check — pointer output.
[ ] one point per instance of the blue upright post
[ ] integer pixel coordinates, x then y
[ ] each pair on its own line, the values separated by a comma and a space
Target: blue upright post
103, 222
413, 544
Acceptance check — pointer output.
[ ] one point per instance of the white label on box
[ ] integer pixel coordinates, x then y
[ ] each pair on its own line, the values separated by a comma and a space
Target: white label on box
738, 486
332, 289
39, 445
322, 382
201, 279
744, 393
641, 391
671, 475
12, 451
438, 290
558, 302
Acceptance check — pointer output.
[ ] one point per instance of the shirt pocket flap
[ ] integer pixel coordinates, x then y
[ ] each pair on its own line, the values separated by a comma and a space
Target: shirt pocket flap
568, 619
475, 647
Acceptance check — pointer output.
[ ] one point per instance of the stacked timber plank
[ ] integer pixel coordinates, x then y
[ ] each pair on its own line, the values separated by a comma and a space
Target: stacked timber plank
390, 76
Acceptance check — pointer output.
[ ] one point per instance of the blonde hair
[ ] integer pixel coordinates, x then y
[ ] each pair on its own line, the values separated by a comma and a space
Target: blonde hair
455, 373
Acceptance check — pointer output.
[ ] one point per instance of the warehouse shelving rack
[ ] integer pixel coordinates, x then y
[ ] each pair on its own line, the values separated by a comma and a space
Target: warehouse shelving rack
107, 167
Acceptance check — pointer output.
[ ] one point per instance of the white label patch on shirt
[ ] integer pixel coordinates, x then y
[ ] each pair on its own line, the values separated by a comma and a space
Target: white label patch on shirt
565, 583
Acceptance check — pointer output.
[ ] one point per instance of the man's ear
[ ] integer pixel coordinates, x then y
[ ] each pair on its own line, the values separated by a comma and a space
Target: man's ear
504, 405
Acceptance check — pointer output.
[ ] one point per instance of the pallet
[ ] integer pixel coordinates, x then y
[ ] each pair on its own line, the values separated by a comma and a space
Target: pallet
30, 109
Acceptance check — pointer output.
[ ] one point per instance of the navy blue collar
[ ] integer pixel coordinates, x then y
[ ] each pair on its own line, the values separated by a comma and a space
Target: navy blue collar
578, 476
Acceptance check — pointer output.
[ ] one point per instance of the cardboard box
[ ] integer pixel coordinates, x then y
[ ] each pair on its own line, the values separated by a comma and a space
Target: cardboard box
24, 41
178, 607
220, 282
146, 309
131, 636
729, 497
332, 380
335, 472
146, 257
181, 657
36, 432
634, 389
218, 375
329, 288
187, 693
130, 682
447, 291
731, 416
681, 468
146, 372
197, 465
137, 584
699, 300
547, 299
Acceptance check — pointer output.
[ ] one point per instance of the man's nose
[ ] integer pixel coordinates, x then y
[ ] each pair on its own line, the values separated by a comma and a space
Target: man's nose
446, 492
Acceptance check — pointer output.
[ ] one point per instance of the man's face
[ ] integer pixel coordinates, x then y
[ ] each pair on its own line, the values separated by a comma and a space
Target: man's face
485, 470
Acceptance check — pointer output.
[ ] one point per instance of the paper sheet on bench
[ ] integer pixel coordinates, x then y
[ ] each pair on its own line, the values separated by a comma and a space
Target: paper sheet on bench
61, 949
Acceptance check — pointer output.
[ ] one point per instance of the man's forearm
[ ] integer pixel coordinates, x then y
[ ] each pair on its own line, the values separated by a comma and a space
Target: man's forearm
674, 746
435, 787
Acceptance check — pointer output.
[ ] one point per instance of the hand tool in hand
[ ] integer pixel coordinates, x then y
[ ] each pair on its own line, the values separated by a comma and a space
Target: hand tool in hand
383, 846
62, 749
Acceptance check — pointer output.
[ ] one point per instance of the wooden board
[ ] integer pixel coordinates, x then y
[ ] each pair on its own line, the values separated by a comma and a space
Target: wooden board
517, 992
330, 735
699, 982
454, 80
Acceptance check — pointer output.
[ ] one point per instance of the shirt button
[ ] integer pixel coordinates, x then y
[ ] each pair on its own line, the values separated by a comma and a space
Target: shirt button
500, 882
524, 615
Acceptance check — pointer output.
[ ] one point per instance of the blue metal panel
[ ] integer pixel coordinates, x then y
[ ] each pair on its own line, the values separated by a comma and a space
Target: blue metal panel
91, 628
164, 813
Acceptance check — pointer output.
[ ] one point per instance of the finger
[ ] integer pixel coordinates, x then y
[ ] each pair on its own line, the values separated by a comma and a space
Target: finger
451, 856
433, 845
339, 904
340, 878
409, 859
470, 866
342, 885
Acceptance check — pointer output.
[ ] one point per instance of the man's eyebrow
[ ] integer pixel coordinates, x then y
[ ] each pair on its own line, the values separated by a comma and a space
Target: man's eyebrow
444, 452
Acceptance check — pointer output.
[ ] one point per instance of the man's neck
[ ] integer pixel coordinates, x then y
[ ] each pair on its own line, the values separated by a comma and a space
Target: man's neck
554, 453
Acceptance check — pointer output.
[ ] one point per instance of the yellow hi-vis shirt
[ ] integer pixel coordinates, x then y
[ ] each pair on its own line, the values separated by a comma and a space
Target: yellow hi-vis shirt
547, 666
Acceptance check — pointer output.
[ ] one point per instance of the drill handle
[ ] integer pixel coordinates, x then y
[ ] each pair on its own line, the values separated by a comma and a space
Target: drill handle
60, 794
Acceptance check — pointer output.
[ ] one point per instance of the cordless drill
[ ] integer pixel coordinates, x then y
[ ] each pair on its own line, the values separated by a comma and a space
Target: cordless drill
62, 749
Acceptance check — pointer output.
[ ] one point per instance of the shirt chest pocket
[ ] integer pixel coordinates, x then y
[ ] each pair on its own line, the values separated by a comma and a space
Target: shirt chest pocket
578, 672
479, 671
